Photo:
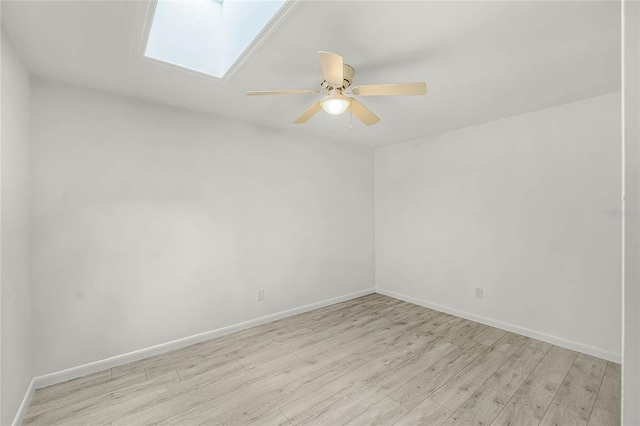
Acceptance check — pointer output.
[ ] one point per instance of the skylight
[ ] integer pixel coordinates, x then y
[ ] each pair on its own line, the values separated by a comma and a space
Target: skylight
207, 36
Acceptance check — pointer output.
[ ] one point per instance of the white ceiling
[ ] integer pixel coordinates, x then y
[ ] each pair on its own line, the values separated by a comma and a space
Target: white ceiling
482, 60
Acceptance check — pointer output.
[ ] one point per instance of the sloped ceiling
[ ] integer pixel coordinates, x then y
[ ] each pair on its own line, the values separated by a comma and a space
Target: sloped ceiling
482, 60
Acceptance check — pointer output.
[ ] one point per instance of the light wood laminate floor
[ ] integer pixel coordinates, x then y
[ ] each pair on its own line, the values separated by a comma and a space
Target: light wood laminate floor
371, 360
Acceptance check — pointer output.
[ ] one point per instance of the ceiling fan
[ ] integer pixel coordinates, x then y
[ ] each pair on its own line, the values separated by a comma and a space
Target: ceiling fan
335, 78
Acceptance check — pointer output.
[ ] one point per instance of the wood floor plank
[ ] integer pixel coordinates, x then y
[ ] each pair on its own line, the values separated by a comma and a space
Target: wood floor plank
464, 333
444, 324
387, 345
613, 371
529, 404
572, 404
192, 367
556, 364
337, 413
457, 390
368, 306
320, 314
399, 315
423, 343
402, 305
288, 393
370, 360
588, 368
273, 330
212, 408
82, 393
508, 378
360, 344
388, 382
325, 396
606, 411
428, 412
412, 393
295, 332
514, 339
480, 409
275, 351
97, 409
75, 385
125, 403
384, 412
489, 336
340, 339
419, 316
193, 370
328, 328
193, 397
275, 418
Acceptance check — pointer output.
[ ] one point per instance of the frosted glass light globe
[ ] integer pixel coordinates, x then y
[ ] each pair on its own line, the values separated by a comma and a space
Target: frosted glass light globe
335, 104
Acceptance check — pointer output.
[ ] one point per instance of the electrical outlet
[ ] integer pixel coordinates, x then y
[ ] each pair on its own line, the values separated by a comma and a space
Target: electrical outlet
479, 292
260, 295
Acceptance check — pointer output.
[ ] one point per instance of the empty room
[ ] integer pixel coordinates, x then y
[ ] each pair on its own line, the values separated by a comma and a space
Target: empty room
284, 212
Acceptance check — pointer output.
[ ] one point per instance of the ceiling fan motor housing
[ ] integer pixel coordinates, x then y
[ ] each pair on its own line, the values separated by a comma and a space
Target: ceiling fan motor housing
347, 75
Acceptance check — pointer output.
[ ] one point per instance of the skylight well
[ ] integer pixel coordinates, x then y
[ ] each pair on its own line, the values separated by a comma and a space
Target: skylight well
207, 36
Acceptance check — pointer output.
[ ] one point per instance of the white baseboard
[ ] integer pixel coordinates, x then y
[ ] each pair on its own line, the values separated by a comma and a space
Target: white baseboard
17, 421
555, 340
94, 367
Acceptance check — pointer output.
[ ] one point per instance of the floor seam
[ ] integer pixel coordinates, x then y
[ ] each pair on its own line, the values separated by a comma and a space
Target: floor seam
485, 380
559, 387
598, 392
357, 403
430, 394
521, 384
285, 416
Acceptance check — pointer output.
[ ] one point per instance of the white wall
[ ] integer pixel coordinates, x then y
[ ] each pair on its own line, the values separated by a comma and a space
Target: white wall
15, 358
152, 223
516, 206
631, 354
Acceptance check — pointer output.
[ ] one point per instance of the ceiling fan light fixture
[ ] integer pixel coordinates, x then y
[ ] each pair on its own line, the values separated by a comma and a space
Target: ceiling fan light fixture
335, 104
335, 77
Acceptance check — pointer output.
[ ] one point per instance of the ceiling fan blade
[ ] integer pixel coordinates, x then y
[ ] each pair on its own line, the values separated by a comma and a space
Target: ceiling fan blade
395, 89
308, 113
332, 67
363, 113
282, 92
